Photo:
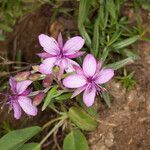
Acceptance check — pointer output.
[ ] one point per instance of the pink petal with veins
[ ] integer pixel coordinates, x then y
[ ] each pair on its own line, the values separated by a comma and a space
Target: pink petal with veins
45, 55
74, 81
49, 44
47, 65
89, 65
22, 86
27, 106
17, 110
75, 55
89, 96
104, 76
73, 45
60, 40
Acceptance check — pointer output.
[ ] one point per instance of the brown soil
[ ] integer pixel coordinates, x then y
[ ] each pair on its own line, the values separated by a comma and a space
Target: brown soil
126, 125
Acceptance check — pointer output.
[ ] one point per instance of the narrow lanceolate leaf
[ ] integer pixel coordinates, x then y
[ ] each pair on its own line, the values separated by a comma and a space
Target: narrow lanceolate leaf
30, 146
83, 12
114, 38
106, 98
129, 53
85, 35
96, 32
75, 140
111, 8
82, 119
51, 94
15, 139
125, 43
120, 64
63, 97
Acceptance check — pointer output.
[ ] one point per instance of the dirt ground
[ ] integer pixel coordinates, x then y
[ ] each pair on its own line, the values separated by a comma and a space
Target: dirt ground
124, 126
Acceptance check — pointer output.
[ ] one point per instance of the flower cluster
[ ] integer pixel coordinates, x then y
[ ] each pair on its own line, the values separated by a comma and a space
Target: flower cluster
88, 79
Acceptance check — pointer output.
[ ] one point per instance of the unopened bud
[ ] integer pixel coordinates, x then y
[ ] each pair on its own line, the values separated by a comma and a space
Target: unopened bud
35, 68
38, 99
21, 76
48, 81
34, 77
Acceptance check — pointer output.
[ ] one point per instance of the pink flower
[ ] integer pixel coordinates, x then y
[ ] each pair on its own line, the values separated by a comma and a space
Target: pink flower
19, 98
57, 54
88, 79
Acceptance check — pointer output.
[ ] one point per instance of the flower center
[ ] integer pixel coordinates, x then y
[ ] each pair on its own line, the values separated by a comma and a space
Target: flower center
90, 80
61, 55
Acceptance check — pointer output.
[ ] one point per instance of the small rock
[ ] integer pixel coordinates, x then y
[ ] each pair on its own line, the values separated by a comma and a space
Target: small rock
109, 141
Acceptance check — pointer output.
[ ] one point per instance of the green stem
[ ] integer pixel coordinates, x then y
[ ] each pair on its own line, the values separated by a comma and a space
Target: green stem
50, 122
59, 124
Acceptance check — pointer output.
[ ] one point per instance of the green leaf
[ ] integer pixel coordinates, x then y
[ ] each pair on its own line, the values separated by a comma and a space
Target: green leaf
30, 146
106, 98
120, 64
83, 12
84, 7
111, 8
102, 14
51, 94
5, 27
114, 38
96, 36
2, 37
105, 53
90, 110
83, 120
126, 42
64, 97
15, 139
75, 140
129, 53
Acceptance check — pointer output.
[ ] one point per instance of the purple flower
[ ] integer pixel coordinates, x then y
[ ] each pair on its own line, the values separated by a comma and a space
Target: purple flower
57, 54
88, 79
19, 98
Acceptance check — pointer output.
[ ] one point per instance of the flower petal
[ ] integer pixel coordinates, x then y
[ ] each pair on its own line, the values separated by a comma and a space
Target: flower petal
49, 44
78, 69
17, 110
89, 65
75, 55
22, 86
45, 55
74, 44
47, 65
104, 76
62, 67
12, 83
89, 96
27, 106
69, 67
78, 91
74, 81
60, 40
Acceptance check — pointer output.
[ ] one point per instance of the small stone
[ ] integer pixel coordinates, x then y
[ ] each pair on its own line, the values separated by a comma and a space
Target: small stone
109, 141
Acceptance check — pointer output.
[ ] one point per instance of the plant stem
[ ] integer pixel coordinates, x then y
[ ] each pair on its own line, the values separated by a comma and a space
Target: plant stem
50, 122
56, 127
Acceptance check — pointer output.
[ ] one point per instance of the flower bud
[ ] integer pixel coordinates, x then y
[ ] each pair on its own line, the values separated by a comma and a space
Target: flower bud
34, 77
48, 81
21, 76
35, 68
38, 98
